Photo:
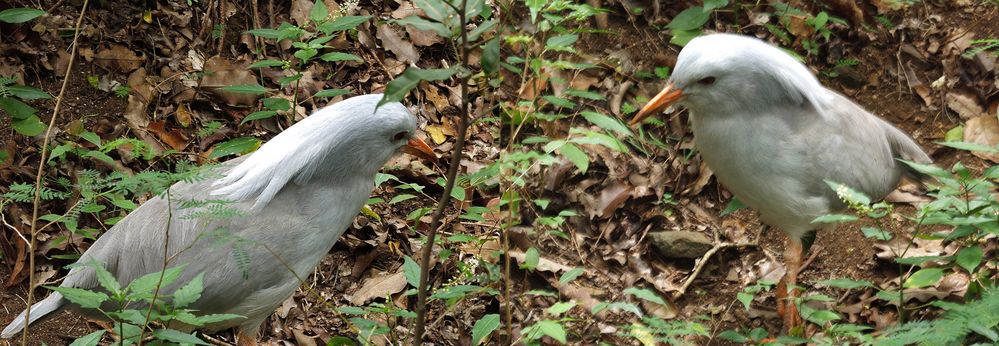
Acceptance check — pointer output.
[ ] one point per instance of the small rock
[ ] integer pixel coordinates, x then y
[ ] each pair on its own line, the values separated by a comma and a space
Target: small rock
681, 244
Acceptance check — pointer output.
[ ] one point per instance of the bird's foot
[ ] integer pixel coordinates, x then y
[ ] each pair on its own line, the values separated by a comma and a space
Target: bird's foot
787, 308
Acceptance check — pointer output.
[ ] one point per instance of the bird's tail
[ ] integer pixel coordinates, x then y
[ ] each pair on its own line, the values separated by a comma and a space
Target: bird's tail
53, 303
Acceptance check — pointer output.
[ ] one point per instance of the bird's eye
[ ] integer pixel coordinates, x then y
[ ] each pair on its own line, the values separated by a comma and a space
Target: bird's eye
706, 81
400, 136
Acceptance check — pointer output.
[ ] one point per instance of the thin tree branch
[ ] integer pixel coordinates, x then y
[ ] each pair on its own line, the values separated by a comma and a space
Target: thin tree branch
452, 172
38, 178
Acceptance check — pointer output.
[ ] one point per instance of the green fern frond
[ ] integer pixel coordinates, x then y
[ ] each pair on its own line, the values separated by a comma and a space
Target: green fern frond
956, 325
25, 193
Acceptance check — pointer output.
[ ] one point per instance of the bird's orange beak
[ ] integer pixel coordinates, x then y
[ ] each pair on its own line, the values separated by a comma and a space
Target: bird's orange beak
419, 148
665, 98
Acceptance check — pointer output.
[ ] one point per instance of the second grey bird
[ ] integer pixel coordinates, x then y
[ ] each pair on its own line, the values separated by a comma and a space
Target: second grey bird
297, 194
772, 135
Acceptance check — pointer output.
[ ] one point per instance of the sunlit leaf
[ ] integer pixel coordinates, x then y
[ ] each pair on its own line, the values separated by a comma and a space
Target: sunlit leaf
483, 327
28, 93
342, 23
845, 283
19, 15
411, 270
30, 126
924, 277
424, 24
969, 258
434, 9
246, 89
257, 116
319, 11
241, 145
16, 108
397, 89
92, 339
339, 56
331, 93
645, 294
606, 122
83, 298
690, 19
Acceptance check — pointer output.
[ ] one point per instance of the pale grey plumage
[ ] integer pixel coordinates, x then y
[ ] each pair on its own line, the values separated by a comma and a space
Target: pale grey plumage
300, 192
772, 134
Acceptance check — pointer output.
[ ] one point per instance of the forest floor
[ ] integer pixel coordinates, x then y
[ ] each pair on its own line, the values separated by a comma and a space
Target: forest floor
904, 65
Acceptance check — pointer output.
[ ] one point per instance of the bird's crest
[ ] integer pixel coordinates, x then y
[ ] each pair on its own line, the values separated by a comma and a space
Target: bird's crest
297, 153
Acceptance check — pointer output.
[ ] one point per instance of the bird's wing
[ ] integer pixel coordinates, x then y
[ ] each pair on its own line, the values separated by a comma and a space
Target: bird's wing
235, 253
873, 145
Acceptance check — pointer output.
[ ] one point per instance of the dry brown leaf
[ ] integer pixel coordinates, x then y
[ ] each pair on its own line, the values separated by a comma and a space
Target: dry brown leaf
702, 180
582, 296
959, 42
983, 130
583, 82
135, 110
798, 27
406, 9
59, 62
924, 93
394, 42
140, 85
183, 115
379, 285
612, 197
424, 38
392, 67
300, 11
223, 73
532, 89
885, 6
767, 270
849, 9
544, 264
174, 138
118, 58
486, 250
286, 306
448, 127
434, 96
888, 250
964, 103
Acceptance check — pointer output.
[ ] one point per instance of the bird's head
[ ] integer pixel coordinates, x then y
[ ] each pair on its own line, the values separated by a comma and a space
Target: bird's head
718, 74
346, 142
367, 135
383, 131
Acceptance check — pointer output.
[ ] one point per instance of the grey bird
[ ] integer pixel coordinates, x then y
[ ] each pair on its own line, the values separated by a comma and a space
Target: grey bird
772, 135
295, 195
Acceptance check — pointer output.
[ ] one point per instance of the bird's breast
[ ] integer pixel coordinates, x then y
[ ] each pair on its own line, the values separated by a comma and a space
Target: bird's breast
761, 162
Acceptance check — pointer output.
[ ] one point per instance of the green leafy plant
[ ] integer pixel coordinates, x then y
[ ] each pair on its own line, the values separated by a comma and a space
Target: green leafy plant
963, 212
309, 44
19, 15
982, 45
23, 118
117, 303
688, 24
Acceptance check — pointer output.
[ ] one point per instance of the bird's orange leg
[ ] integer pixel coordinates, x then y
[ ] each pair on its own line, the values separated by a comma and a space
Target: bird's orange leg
787, 291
